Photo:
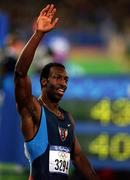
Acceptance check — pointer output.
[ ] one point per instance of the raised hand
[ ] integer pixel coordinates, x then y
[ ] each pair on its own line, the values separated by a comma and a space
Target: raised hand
45, 21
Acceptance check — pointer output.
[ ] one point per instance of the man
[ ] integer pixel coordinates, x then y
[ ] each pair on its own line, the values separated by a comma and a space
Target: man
50, 142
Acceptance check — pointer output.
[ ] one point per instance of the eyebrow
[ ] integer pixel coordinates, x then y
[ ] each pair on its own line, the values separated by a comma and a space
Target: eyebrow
67, 77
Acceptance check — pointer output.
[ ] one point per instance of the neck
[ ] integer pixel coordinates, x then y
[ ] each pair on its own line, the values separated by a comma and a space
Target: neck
53, 107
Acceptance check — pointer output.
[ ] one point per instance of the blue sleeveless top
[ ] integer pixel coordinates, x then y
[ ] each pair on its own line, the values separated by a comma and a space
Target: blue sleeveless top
54, 138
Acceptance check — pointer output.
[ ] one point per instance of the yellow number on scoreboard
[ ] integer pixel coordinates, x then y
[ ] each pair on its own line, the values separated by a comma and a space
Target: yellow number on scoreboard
100, 146
117, 147
121, 112
120, 147
102, 111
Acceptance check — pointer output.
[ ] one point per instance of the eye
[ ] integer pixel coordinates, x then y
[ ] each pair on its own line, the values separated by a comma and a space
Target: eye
57, 77
66, 80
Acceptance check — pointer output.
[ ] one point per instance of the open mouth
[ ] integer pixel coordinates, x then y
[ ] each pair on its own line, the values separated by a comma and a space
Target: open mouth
60, 91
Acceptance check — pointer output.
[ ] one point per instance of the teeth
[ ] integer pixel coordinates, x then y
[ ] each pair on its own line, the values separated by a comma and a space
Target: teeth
61, 90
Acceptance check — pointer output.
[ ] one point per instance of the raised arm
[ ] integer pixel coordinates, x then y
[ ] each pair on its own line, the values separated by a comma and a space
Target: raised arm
22, 83
27, 105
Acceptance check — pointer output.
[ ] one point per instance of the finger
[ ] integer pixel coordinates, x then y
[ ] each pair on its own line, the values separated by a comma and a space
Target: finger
55, 22
44, 10
52, 13
50, 10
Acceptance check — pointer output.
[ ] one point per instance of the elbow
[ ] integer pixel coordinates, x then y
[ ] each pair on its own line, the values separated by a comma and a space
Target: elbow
20, 69
18, 73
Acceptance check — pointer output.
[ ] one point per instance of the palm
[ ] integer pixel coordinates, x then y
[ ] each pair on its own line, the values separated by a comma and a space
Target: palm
44, 22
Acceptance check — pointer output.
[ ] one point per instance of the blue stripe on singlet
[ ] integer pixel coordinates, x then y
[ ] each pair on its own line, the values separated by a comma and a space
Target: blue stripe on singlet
35, 147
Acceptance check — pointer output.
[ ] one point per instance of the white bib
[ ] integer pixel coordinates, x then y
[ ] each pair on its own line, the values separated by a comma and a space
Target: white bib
59, 159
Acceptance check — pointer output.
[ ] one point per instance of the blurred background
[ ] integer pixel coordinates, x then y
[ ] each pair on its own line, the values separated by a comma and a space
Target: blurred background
92, 40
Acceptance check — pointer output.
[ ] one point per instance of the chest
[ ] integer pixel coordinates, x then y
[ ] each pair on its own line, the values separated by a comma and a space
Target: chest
60, 132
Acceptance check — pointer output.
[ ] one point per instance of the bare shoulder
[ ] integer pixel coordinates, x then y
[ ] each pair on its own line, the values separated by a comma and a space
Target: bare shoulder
32, 109
30, 118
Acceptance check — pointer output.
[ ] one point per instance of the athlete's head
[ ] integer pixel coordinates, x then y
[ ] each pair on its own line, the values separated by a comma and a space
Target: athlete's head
54, 80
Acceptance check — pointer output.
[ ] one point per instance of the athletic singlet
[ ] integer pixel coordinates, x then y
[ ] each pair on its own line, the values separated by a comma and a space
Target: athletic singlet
50, 151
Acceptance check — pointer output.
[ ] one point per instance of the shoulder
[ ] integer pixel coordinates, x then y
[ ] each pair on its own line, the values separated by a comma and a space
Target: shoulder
32, 110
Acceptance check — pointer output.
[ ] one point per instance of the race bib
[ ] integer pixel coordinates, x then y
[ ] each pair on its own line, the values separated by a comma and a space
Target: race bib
59, 159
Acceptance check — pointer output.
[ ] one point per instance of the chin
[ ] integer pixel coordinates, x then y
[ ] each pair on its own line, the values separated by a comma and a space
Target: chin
55, 99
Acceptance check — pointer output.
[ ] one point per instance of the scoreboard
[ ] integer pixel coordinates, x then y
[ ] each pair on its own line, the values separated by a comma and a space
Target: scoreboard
107, 147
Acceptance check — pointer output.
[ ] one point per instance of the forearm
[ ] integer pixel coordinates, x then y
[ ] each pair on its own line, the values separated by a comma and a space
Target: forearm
26, 57
85, 168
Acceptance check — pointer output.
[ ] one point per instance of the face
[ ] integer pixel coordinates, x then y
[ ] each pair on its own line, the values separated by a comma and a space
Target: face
56, 83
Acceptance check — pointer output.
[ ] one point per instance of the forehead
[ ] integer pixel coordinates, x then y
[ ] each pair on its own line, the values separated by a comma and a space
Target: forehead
58, 70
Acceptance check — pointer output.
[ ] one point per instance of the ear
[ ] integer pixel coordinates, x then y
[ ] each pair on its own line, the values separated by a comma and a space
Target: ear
44, 82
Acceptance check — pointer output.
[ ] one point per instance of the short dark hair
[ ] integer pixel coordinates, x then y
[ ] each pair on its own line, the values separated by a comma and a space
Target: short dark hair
46, 70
